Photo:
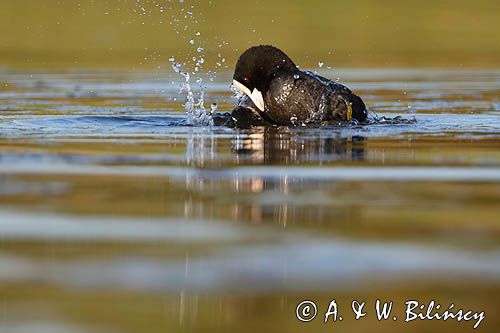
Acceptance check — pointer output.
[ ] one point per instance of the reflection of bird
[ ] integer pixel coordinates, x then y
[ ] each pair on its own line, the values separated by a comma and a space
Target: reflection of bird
274, 145
290, 200
276, 92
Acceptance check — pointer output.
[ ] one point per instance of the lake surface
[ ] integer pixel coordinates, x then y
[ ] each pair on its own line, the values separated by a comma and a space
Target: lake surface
117, 216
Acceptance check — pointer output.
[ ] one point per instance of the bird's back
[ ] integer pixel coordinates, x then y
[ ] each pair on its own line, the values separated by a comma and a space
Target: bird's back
305, 98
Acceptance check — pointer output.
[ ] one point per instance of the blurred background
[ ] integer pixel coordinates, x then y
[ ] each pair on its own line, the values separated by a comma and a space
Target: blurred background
130, 33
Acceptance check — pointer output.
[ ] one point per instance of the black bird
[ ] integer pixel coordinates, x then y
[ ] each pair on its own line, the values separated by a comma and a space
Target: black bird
276, 92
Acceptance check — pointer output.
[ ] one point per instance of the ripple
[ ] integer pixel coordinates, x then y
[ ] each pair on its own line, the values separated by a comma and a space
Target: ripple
26, 226
396, 174
289, 262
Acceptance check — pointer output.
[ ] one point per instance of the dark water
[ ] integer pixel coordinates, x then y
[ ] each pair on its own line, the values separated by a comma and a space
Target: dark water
117, 216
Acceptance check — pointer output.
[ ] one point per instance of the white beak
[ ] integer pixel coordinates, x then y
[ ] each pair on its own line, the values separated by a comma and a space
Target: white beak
255, 95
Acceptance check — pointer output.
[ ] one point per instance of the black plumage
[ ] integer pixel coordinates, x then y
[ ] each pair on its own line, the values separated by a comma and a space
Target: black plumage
277, 92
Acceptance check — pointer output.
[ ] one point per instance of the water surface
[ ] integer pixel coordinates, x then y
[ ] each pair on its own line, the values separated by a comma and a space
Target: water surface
117, 216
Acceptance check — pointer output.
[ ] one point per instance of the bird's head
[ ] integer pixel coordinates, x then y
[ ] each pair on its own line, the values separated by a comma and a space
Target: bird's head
255, 69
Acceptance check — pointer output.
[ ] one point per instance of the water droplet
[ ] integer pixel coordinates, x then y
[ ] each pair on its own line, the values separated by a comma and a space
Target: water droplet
176, 67
190, 70
213, 108
321, 64
296, 76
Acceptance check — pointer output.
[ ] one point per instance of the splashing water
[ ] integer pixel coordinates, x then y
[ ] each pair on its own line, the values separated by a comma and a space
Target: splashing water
183, 20
195, 99
195, 109
237, 94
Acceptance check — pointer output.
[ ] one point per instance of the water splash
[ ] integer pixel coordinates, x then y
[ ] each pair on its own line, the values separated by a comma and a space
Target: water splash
375, 119
238, 95
190, 65
195, 109
195, 96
